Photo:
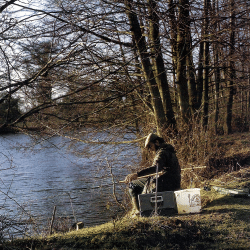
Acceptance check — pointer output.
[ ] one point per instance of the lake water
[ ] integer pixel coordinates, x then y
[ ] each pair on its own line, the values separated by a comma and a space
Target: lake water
36, 175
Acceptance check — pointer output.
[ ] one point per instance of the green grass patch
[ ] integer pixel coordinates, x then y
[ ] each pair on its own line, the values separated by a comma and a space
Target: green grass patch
224, 223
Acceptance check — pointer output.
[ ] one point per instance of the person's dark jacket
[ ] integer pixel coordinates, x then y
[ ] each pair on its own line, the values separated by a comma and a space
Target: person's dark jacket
167, 162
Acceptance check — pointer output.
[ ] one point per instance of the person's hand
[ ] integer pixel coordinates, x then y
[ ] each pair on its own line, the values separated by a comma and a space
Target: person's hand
130, 177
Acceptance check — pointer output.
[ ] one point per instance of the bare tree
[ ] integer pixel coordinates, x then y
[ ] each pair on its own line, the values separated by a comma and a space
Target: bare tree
103, 54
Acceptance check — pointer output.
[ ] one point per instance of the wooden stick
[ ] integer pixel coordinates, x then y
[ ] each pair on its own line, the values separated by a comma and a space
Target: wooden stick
193, 168
52, 221
145, 176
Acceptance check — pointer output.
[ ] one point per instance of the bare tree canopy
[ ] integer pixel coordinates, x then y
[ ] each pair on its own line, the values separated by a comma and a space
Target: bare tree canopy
138, 64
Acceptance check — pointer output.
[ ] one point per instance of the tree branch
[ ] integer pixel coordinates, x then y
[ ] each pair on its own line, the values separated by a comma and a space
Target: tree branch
7, 5
105, 38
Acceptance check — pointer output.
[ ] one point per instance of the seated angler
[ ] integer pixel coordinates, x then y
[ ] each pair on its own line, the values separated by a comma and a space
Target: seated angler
168, 165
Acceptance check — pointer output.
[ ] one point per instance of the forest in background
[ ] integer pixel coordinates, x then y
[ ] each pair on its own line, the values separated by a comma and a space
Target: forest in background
141, 65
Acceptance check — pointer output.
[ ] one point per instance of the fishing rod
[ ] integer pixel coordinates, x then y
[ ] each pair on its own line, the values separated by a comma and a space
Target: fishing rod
122, 182
140, 177
145, 176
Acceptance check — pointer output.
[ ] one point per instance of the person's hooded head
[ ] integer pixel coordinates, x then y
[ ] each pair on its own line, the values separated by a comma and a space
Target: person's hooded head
153, 141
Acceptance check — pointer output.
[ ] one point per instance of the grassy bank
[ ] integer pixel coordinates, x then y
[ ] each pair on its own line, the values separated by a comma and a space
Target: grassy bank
224, 222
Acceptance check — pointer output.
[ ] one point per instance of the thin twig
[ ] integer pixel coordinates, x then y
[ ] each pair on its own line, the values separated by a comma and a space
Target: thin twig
114, 187
72, 208
52, 220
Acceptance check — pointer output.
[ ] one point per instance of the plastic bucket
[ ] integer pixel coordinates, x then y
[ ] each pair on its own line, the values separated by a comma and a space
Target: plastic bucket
188, 201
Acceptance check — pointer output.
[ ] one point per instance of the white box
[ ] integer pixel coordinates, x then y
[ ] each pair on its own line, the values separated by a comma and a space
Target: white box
188, 200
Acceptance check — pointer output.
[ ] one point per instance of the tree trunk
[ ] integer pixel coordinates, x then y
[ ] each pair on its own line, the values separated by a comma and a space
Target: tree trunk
199, 85
189, 62
147, 68
159, 68
205, 64
173, 44
217, 86
181, 78
173, 34
216, 70
228, 125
